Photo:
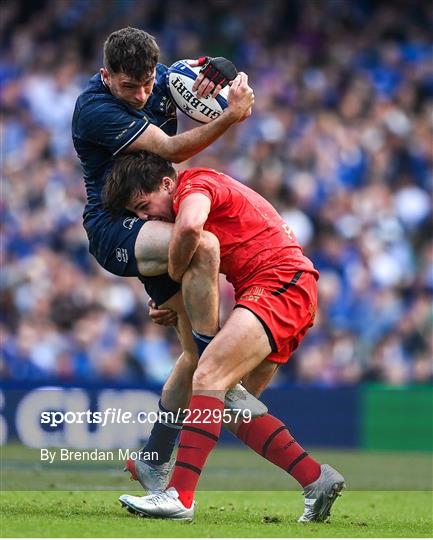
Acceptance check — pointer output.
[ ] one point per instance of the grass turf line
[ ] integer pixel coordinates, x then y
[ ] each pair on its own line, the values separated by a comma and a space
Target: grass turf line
219, 514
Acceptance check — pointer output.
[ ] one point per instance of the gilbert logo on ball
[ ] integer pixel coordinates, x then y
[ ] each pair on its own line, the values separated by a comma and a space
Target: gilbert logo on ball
180, 80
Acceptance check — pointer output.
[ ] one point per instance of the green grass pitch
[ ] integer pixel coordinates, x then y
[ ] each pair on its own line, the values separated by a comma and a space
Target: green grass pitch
388, 495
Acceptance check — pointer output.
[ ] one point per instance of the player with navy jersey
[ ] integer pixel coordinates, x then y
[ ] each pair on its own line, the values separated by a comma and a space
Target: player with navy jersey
276, 299
126, 108
102, 127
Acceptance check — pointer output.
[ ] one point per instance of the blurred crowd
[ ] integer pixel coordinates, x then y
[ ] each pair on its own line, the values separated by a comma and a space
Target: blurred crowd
340, 142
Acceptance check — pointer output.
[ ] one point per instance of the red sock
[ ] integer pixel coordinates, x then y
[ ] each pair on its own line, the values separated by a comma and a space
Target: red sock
198, 438
270, 438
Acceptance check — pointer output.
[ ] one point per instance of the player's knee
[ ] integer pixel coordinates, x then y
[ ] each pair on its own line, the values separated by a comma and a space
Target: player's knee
209, 245
208, 252
204, 380
188, 362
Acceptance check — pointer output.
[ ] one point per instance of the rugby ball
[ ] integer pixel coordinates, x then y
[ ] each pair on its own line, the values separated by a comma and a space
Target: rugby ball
180, 79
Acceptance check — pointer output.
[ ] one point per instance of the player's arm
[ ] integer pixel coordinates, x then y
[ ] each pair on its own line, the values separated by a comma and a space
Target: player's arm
193, 213
185, 145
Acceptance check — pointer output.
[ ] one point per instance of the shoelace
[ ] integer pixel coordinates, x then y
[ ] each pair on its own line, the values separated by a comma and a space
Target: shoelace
160, 498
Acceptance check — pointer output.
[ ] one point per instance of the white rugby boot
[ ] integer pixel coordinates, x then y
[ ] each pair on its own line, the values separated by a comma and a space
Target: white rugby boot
165, 505
239, 398
153, 478
321, 495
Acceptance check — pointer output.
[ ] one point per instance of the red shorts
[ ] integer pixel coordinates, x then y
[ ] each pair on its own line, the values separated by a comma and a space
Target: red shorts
285, 302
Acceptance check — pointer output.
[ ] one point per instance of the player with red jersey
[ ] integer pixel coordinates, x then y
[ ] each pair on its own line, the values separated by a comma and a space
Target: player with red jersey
259, 255
276, 298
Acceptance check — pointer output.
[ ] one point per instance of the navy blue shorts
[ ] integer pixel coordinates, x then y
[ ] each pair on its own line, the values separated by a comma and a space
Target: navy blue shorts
112, 243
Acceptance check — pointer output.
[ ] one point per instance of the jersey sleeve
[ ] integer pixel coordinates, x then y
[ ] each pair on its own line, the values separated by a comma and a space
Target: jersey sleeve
110, 125
196, 183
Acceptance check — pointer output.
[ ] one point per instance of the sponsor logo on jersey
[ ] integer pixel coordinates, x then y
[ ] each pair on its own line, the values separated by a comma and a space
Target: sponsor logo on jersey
167, 107
122, 254
128, 222
289, 232
253, 294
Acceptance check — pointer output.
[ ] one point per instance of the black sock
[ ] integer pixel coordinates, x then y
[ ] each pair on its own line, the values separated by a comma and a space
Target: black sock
164, 435
202, 341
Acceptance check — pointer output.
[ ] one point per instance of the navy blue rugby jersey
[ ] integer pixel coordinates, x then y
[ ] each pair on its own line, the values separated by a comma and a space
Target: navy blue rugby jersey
103, 126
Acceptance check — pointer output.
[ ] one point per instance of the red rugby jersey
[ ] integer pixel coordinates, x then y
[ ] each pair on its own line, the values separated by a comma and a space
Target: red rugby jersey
252, 234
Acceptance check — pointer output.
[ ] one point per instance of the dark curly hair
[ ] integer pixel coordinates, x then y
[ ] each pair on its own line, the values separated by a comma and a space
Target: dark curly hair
131, 51
133, 173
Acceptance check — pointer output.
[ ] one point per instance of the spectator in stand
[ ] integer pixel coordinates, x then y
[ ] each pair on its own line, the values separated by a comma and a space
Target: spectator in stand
340, 143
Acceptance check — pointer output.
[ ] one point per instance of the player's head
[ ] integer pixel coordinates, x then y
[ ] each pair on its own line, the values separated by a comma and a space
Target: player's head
143, 183
130, 58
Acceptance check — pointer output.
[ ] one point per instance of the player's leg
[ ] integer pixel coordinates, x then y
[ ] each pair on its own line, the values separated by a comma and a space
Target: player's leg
128, 246
197, 307
237, 349
286, 313
201, 293
259, 378
151, 247
176, 394
296, 313
201, 289
153, 474
201, 296
270, 438
200, 282
135, 247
